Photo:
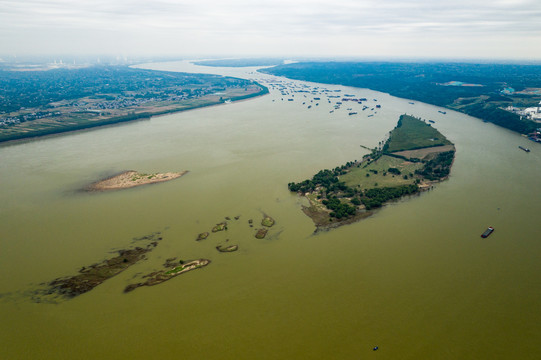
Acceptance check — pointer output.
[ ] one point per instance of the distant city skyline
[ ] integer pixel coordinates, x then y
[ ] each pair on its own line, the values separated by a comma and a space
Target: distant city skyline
497, 29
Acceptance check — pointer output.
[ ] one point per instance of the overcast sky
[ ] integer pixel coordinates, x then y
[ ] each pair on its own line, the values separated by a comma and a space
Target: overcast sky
492, 29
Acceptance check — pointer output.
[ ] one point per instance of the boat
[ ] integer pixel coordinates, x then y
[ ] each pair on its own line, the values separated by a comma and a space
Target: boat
352, 113
487, 232
523, 148
442, 112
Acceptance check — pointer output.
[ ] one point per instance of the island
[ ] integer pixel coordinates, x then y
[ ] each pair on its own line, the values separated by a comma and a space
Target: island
261, 233
202, 236
412, 159
132, 178
220, 227
267, 221
230, 248
171, 270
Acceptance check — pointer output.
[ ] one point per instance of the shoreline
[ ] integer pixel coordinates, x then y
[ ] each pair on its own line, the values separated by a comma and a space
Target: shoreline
120, 120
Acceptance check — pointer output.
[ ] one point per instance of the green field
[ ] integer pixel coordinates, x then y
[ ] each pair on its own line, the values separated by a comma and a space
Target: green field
356, 177
412, 133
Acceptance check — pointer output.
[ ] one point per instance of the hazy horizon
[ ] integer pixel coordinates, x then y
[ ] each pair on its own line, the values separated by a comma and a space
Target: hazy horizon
418, 29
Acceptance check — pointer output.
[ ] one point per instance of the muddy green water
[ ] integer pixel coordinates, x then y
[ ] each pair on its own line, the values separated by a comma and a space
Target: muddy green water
416, 279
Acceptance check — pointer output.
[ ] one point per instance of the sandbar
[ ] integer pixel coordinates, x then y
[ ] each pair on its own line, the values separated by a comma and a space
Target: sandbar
132, 178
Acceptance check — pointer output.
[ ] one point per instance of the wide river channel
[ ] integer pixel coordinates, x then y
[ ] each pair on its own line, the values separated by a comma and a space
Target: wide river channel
416, 279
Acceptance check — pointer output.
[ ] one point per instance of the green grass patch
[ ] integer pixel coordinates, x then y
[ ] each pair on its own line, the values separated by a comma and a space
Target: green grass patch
175, 270
356, 177
412, 133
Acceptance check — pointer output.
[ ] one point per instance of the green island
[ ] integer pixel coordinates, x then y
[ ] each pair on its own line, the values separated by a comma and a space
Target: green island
261, 233
229, 248
219, 227
496, 93
267, 222
414, 157
171, 270
202, 236
38, 103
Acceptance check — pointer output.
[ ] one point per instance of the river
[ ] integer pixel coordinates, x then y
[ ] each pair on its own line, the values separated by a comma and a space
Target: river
415, 280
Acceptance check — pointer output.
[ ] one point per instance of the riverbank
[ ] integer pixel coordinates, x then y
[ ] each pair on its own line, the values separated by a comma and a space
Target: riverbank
89, 105
433, 83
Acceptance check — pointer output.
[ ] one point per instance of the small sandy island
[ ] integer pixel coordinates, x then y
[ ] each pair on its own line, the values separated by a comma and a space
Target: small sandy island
131, 178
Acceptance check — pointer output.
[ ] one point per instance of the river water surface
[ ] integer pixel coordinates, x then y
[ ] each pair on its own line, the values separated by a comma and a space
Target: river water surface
415, 279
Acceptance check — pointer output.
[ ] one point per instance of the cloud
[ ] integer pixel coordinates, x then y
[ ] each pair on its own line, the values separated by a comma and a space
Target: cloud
205, 25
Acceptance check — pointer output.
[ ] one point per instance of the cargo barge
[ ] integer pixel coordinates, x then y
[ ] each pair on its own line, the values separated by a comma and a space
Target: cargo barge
487, 232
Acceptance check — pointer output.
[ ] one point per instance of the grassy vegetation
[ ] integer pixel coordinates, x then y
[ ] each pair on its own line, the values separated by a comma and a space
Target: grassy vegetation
220, 227
175, 270
267, 221
377, 172
412, 133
